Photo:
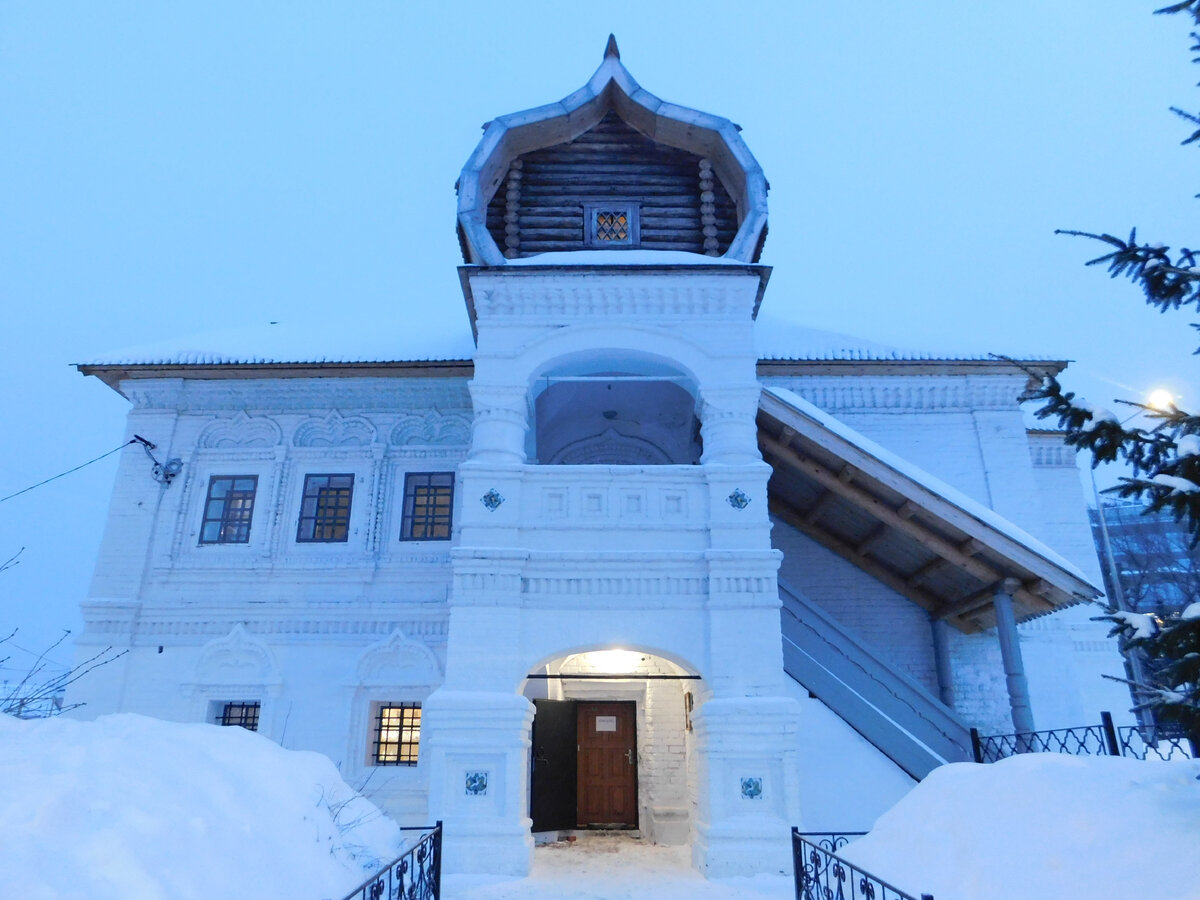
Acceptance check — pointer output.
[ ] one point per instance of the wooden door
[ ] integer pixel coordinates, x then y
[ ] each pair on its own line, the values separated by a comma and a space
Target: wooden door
552, 781
606, 791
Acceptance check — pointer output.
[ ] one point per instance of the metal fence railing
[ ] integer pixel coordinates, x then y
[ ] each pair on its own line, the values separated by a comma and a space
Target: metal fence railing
414, 875
1135, 741
821, 874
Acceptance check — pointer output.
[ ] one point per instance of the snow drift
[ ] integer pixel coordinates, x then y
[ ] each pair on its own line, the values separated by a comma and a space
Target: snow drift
1043, 825
128, 806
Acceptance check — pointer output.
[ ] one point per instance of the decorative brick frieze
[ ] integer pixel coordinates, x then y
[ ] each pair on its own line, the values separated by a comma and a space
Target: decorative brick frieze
299, 394
901, 394
536, 297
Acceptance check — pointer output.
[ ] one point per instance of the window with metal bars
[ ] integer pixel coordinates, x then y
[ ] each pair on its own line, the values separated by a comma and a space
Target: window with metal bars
397, 734
428, 506
228, 509
325, 509
240, 712
611, 224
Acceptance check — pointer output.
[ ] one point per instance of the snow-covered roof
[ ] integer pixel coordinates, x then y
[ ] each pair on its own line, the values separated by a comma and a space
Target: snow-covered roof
777, 338
926, 539
333, 340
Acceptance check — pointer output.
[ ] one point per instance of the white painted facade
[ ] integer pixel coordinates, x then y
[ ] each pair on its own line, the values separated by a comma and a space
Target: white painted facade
625, 543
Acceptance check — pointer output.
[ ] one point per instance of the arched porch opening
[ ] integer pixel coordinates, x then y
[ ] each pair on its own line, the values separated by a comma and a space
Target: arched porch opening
611, 744
614, 407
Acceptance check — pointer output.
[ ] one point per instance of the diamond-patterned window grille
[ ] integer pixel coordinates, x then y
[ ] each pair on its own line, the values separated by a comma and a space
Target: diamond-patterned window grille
611, 224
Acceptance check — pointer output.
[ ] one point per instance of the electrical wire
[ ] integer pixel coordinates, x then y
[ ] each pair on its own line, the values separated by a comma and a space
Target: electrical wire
68, 472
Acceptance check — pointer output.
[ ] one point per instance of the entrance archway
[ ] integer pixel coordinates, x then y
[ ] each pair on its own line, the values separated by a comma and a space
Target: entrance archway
611, 744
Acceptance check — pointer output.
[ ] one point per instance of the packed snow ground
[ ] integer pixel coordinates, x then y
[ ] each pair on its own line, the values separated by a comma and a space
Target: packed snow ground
1043, 825
132, 808
615, 867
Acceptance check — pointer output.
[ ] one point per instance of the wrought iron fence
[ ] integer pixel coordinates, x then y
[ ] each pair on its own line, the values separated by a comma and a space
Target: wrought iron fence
1137, 741
1155, 741
823, 875
414, 875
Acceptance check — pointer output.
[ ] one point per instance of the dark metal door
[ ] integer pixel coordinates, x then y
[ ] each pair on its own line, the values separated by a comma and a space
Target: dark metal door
552, 785
607, 765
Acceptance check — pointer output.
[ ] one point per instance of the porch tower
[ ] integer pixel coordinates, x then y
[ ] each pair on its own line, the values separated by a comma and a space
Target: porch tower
614, 496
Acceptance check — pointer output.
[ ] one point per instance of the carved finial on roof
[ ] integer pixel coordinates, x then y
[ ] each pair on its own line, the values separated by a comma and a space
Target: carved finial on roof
611, 49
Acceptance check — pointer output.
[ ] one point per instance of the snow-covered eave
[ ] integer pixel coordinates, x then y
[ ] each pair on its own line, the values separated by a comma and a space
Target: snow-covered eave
611, 87
988, 540
898, 364
114, 373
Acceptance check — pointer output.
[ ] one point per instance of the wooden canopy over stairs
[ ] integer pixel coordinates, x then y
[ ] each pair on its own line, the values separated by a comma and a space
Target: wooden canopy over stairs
924, 540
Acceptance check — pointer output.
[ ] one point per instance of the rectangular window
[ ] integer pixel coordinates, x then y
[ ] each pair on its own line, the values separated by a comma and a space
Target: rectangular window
611, 224
428, 503
228, 509
325, 509
397, 734
240, 712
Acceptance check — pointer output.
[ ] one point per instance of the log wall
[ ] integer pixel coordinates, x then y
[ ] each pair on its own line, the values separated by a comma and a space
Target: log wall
539, 207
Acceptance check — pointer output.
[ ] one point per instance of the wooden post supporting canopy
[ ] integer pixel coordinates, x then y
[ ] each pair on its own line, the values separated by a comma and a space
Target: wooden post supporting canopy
1010, 652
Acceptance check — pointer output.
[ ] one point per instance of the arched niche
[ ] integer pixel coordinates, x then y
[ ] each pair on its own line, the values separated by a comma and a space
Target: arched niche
614, 408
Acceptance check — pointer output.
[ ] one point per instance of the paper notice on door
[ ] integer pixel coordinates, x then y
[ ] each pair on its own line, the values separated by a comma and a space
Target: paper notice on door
606, 723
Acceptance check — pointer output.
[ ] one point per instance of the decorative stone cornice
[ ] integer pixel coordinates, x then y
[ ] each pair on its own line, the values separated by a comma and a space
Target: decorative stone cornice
906, 393
294, 394
557, 296
199, 626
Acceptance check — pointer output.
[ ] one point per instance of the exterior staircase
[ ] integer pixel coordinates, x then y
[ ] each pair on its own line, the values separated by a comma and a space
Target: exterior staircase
891, 710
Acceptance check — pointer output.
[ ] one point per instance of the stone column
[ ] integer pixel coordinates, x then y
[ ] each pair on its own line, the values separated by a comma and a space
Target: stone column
941, 661
501, 422
1010, 651
727, 425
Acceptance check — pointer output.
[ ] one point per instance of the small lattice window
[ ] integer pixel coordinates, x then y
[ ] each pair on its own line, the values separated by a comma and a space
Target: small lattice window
325, 509
240, 712
397, 734
428, 506
611, 224
228, 509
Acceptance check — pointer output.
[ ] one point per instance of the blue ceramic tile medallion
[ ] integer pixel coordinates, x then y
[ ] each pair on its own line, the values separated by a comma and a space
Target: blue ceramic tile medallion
752, 788
738, 499
492, 499
476, 784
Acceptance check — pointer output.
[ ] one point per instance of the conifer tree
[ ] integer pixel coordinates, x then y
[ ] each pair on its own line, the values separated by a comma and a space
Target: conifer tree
1164, 458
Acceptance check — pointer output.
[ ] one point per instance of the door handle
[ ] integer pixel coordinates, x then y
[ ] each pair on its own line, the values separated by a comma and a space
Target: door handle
629, 757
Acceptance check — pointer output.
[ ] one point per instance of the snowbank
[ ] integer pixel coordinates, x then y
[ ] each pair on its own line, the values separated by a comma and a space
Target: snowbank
1043, 825
131, 807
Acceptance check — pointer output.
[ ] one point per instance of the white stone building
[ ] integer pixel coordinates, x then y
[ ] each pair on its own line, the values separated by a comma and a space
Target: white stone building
623, 553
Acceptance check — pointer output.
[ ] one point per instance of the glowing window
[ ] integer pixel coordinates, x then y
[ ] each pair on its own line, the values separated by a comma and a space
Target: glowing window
397, 734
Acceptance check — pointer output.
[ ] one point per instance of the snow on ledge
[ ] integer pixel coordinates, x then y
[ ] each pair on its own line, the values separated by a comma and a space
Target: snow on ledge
624, 258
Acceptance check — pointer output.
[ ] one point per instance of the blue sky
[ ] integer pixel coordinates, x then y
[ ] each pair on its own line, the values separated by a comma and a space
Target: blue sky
168, 169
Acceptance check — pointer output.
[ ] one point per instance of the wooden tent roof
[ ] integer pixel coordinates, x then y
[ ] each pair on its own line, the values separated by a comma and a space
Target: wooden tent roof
613, 89
924, 540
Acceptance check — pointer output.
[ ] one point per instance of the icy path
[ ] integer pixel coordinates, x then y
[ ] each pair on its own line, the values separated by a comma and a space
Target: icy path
604, 867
